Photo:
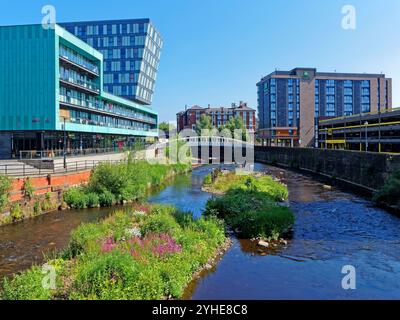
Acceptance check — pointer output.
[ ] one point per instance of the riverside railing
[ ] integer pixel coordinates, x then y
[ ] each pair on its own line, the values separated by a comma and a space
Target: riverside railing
50, 154
25, 170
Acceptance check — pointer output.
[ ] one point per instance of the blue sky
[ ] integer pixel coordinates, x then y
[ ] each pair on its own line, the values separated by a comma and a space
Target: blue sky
217, 50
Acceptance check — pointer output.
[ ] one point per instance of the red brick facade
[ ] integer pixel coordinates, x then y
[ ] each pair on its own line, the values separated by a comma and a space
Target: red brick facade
219, 116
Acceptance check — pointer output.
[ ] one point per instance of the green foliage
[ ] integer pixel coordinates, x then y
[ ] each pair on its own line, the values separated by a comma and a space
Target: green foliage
208, 179
26, 286
265, 184
28, 189
16, 213
204, 123
37, 208
235, 124
166, 127
93, 200
96, 273
249, 206
76, 198
106, 199
5, 186
390, 192
162, 222
130, 181
109, 276
5, 219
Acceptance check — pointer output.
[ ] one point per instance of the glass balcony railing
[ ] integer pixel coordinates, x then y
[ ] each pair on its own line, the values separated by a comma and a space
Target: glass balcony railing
78, 59
82, 83
101, 106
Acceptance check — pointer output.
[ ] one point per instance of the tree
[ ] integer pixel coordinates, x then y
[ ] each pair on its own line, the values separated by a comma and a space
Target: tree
166, 127
204, 123
236, 123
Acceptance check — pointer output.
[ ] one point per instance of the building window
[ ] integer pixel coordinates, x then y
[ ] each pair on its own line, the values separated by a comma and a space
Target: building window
365, 84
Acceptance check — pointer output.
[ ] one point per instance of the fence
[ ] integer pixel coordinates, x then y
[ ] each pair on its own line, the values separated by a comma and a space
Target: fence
49, 154
24, 170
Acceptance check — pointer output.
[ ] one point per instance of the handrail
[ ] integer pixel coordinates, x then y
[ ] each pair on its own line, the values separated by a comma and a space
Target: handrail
25, 170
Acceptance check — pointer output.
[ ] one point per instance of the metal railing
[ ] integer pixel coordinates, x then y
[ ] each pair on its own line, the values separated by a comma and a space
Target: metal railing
51, 154
25, 170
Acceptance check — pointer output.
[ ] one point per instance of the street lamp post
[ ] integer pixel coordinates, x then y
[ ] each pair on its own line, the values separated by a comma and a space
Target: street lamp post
366, 136
64, 146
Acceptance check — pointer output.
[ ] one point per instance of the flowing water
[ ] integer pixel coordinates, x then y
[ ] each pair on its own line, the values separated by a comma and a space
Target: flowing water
333, 229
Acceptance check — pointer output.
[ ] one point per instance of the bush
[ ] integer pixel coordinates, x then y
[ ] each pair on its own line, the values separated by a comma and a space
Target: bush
5, 186
28, 188
76, 198
109, 276
47, 203
16, 213
106, 199
26, 286
130, 180
132, 265
266, 184
250, 207
390, 192
93, 200
268, 224
207, 179
161, 222
37, 208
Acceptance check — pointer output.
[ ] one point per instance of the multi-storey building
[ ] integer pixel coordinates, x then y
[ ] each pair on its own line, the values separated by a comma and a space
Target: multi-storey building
131, 51
290, 103
373, 132
219, 116
51, 90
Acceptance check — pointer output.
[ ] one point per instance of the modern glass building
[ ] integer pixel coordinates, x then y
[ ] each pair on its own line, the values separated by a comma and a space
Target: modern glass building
291, 103
51, 87
131, 51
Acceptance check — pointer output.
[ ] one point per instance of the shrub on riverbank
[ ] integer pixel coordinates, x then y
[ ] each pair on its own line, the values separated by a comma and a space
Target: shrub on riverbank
390, 192
127, 181
150, 252
266, 184
250, 206
5, 186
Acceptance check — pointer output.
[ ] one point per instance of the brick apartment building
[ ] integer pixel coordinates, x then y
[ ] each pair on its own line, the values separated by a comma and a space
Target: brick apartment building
219, 116
291, 103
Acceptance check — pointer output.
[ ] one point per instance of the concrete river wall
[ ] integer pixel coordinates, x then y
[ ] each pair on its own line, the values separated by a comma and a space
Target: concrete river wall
362, 169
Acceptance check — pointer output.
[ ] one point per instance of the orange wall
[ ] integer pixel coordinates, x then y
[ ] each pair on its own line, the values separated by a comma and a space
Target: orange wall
43, 185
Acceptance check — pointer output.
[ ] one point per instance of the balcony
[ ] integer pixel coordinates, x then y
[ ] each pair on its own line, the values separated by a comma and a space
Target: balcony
87, 86
98, 107
81, 64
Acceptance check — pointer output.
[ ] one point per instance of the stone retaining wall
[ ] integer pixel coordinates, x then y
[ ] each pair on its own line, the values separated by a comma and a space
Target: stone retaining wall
364, 169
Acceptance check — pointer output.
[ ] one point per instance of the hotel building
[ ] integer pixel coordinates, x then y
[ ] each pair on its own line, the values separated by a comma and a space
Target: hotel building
291, 103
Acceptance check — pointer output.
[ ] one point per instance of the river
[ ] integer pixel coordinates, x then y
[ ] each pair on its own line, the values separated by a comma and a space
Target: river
333, 229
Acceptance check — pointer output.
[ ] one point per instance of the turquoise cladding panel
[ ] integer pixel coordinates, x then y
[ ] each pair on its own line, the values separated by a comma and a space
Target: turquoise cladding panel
27, 78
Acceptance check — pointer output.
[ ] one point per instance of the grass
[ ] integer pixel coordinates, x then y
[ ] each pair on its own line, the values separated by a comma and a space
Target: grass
111, 183
150, 252
250, 205
263, 183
